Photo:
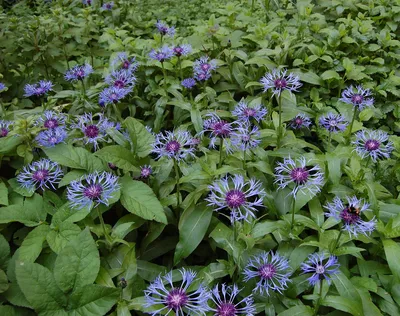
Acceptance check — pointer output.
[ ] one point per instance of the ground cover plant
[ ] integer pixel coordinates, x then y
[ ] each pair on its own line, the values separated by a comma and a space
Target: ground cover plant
199, 158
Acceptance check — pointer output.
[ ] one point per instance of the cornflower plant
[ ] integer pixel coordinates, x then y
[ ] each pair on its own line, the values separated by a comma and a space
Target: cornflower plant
202, 68
373, 145
38, 89
162, 54
51, 136
245, 137
300, 121
79, 73
164, 29
333, 123
122, 60
245, 113
5, 127
179, 51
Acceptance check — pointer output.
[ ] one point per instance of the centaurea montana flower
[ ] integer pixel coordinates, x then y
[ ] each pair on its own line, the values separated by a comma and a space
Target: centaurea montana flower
122, 78
162, 54
38, 89
271, 271
227, 304
108, 6
202, 68
5, 127
112, 95
51, 137
300, 121
182, 50
145, 171
79, 72
320, 270
246, 113
359, 97
2, 86
245, 136
350, 215
87, 2
239, 196
188, 83
51, 119
125, 62
43, 173
164, 29
93, 132
296, 175
162, 292
174, 145
92, 189
277, 80
333, 123
374, 144
217, 129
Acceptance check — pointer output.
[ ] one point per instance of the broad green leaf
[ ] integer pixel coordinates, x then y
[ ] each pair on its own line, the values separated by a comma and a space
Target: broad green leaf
347, 290
392, 251
67, 214
8, 310
119, 156
4, 253
78, 263
59, 237
261, 229
344, 304
142, 139
71, 176
330, 74
193, 225
3, 282
223, 236
139, 199
3, 194
299, 310
33, 244
39, 287
7, 144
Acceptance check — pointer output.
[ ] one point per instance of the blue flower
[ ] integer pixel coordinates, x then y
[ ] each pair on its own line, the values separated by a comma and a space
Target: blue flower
125, 62
320, 271
374, 144
225, 304
162, 292
87, 2
277, 80
333, 123
245, 136
112, 95
298, 176
51, 119
5, 127
122, 79
358, 97
40, 174
92, 189
79, 72
271, 271
202, 68
188, 83
51, 137
164, 29
176, 145
300, 121
241, 197
182, 50
38, 89
108, 6
2, 86
245, 113
350, 215
162, 54
216, 128
145, 171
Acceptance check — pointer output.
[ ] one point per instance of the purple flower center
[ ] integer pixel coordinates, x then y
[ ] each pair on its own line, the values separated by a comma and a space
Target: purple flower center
173, 146
249, 112
226, 309
80, 74
40, 90
357, 99
178, 51
163, 30
126, 64
53, 140
235, 198
51, 123
298, 121
93, 191
221, 129
372, 145
3, 132
119, 84
40, 175
201, 76
205, 67
280, 83
176, 299
145, 172
320, 269
299, 175
92, 131
108, 6
333, 123
160, 57
349, 217
267, 271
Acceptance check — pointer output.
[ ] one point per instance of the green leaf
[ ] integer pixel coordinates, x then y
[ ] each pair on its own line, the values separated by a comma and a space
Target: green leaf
71, 176
7, 144
32, 245
139, 199
330, 74
119, 156
193, 225
142, 139
266, 227
4, 252
3, 194
343, 304
74, 157
59, 237
39, 287
299, 310
196, 120
223, 236
347, 290
78, 262
392, 251
3, 282
93, 300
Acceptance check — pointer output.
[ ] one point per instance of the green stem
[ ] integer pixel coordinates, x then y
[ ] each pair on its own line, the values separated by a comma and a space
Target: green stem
337, 239
252, 5
221, 145
177, 183
330, 138
103, 225
351, 125
180, 67
165, 76
319, 298
293, 211
244, 160
83, 89
278, 143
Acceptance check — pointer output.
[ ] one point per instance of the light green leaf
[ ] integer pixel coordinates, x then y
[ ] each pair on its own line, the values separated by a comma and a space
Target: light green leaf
3, 194
119, 156
59, 237
344, 304
33, 244
392, 251
299, 310
142, 139
4, 252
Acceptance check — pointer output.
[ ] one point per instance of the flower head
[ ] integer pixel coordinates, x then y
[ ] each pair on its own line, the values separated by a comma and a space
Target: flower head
145, 171
108, 6
245, 136
374, 144
239, 196
320, 271
216, 128
92, 189
164, 29
350, 215
188, 83
358, 97
333, 123
51, 137
245, 113
227, 304
298, 176
122, 60
79, 72
5, 127
38, 89
182, 50
177, 298
112, 95
271, 271
50, 120
2, 86
277, 80
87, 2
202, 68
122, 79
176, 145
93, 132
40, 174
300, 121
162, 54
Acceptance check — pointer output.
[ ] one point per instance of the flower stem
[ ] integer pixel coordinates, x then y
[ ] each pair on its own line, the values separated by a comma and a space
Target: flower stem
165, 76
107, 237
278, 143
83, 89
293, 211
221, 145
180, 67
177, 183
351, 125
252, 5
244, 160
329, 138
337, 240
319, 299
